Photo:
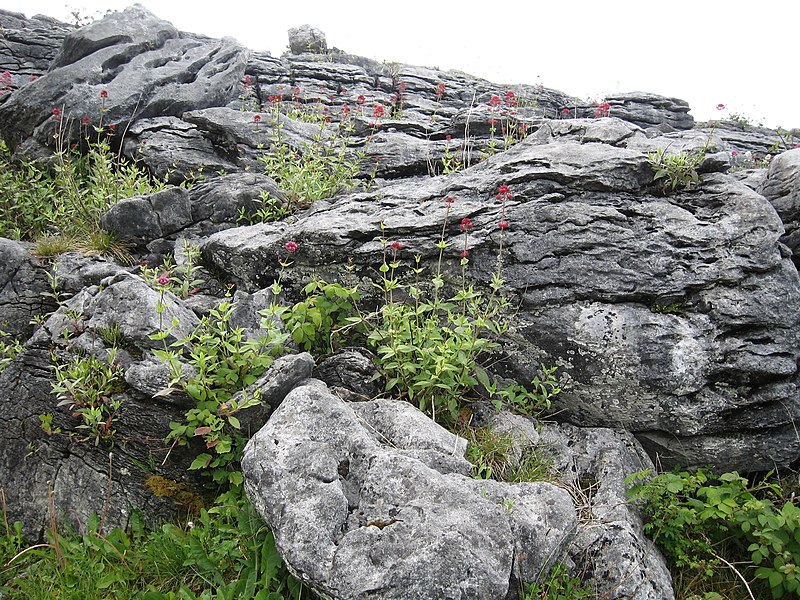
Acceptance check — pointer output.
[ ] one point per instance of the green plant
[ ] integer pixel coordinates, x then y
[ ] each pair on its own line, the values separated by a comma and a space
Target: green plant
493, 456
679, 169
9, 349
559, 585
318, 170
181, 280
225, 362
88, 386
313, 322
520, 399
675, 308
66, 200
269, 209
225, 553
702, 522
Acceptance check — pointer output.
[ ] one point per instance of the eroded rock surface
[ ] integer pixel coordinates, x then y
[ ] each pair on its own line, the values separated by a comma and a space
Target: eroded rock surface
372, 500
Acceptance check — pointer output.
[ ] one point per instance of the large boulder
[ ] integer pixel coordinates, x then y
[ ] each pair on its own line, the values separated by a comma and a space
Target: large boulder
674, 317
371, 500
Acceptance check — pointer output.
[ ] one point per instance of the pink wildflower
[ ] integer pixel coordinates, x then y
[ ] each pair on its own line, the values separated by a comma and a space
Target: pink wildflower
503, 224
163, 280
290, 247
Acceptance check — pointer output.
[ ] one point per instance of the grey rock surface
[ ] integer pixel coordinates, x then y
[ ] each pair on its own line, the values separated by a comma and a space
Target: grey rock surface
370, 500
307, 39
126, 66
24, 288
597, 255
177, 212
782, 188
85, 477
28, 46
610, 550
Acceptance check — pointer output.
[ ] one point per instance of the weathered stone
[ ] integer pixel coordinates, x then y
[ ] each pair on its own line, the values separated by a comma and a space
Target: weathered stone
594, 256
368, 500
610, 550
307, 39
176, 211
28, 45
25, 289
124, 67
352, 370
782, 188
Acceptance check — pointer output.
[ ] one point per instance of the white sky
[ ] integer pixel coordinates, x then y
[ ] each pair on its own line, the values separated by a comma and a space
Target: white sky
706, 52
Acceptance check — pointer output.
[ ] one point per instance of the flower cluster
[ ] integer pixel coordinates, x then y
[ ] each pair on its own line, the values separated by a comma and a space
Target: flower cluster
440, 89
603, 110
5, 82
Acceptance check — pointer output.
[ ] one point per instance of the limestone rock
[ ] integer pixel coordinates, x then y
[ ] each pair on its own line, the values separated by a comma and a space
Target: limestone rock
124, 67
597, 256
367, 500
610, 550
24, 289
177, 212
782, 188
28, 45
307, 39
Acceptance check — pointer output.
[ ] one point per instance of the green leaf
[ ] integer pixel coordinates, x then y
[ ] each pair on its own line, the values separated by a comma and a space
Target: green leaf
201, 462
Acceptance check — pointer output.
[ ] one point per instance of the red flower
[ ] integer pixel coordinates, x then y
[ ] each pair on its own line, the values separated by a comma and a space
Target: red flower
104, 93
503, 189
603, 110
565, 112
86, 120
503, 224
361, 99
290, 246
466, 224
495, 100
55, 115
734, 153
396, 246
163, 280
464, 254
440, 91
449, 201
112, 127
492, 122
720, 106
257, 118
448, 138
247, 80
378, 111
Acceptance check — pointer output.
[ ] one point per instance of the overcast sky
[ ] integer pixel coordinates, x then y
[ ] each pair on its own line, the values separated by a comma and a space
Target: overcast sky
706, 52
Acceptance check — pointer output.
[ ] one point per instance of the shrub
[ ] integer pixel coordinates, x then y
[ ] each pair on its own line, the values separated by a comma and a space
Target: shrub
702, 522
